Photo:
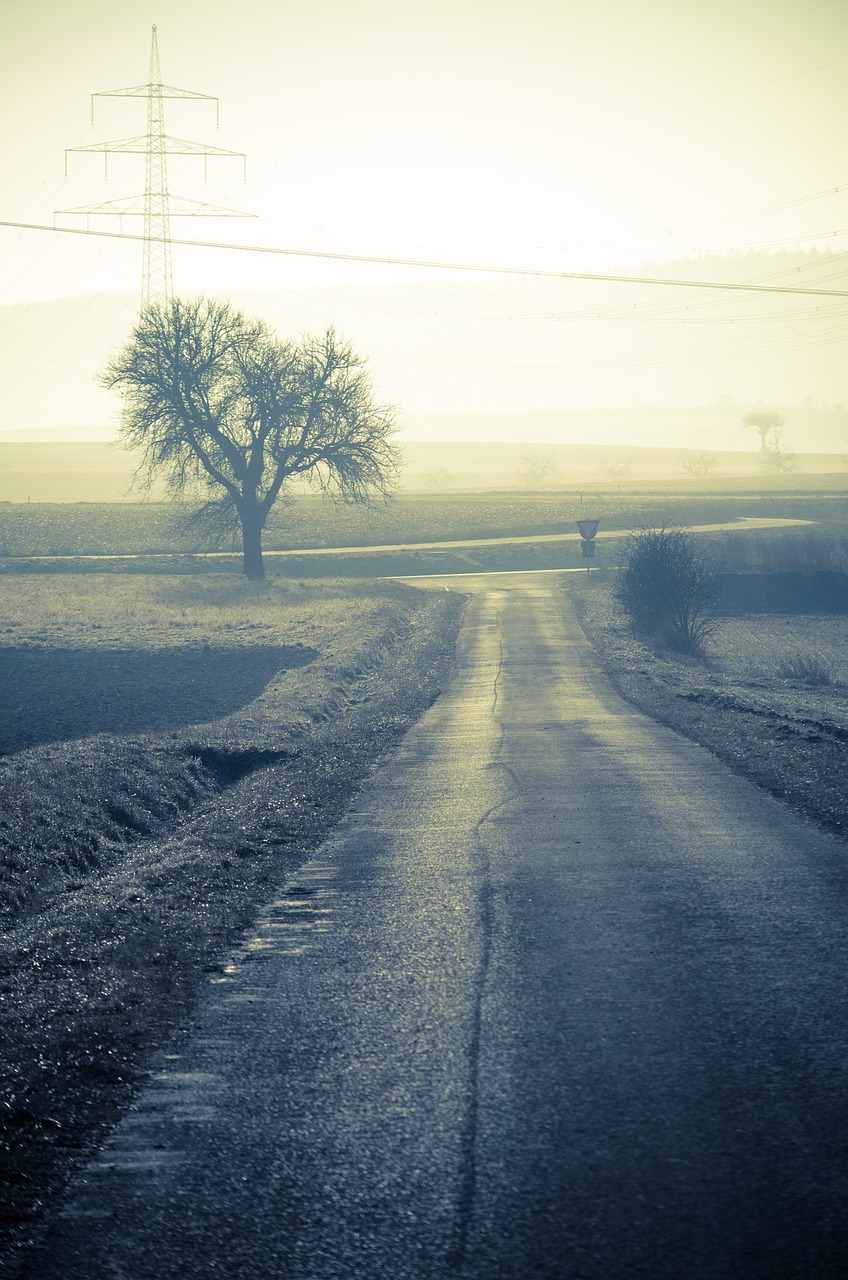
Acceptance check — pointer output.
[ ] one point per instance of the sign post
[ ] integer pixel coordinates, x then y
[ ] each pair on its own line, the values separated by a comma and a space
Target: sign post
588, 529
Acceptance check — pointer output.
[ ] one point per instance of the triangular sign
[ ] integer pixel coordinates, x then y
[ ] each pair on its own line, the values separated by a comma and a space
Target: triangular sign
588, 529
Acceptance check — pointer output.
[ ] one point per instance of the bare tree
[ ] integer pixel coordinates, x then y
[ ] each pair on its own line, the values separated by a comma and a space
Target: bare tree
228, 412
765, 422
438, 480
778, 457
616, 471
698, 464
537, 470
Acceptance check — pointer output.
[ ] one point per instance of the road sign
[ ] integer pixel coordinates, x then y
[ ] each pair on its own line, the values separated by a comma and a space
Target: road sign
588, 529
588, 549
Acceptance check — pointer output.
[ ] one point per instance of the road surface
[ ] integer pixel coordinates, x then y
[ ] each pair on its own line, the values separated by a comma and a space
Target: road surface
562, 998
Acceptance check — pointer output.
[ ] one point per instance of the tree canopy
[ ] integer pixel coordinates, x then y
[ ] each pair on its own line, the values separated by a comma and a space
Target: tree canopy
765, 422
224, 410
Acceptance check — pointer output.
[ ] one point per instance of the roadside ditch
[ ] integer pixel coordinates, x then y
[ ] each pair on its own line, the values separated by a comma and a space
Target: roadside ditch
151, 860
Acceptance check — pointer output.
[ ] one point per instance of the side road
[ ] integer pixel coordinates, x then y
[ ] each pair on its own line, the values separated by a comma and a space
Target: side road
516, 553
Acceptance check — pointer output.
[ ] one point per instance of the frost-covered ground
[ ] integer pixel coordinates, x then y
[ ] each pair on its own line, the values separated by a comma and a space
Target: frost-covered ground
799, 663
793, 667
145, 813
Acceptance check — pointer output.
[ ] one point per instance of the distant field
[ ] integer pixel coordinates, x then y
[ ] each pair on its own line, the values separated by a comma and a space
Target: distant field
97, 471
80, 529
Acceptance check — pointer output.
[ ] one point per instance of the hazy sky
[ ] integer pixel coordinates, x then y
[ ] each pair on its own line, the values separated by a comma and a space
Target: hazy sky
529, 133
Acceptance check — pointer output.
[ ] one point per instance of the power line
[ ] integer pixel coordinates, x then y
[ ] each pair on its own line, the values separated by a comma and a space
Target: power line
436, 265
670, 234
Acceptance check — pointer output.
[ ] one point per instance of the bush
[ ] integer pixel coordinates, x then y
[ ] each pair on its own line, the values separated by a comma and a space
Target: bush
805, 669
668, 590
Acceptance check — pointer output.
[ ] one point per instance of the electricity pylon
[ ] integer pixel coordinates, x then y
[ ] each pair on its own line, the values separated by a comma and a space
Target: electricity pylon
156, 205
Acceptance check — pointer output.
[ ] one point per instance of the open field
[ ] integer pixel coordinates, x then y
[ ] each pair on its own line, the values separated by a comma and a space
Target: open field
761, 649
103, 611
128, 687
468, 457
157, 529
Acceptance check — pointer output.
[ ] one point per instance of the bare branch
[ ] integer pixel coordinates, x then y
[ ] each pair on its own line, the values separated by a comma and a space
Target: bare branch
214, 401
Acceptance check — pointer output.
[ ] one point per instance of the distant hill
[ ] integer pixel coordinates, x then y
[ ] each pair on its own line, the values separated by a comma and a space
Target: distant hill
65, 472
809, 428
99, 472
539, 465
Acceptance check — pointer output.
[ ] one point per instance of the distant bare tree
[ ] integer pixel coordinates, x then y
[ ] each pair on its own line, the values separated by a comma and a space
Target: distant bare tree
765, 422
537, 470
778, 457
698, 464
616, 471
227, 411
438, 480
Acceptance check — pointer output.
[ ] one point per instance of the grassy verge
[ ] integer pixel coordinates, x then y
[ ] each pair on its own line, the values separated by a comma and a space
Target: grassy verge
155, 850
784, 733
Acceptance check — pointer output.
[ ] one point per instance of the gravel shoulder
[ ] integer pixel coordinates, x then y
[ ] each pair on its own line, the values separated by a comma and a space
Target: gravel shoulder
787, 734
131, 862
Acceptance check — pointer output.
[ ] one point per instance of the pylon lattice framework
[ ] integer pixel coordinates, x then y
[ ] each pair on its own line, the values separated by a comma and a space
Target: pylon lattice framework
156, 206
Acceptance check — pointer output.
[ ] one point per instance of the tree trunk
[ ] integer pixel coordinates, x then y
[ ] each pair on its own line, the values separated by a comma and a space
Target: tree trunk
251, 541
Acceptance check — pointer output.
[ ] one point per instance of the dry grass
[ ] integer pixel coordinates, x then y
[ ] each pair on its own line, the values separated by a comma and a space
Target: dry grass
766, 647
135, 611
210, 676
130, 864
803, 550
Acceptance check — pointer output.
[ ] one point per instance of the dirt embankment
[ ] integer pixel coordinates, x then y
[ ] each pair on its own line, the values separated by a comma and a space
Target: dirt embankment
769, 697
130, 864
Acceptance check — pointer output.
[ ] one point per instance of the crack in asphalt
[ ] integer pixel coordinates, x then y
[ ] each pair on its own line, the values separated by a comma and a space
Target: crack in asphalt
468, 1140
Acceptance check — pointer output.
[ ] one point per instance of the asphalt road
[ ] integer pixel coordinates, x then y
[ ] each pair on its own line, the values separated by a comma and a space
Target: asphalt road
562, 998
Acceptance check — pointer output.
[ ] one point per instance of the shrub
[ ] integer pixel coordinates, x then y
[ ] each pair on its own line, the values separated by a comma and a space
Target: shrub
668, 589
806, 668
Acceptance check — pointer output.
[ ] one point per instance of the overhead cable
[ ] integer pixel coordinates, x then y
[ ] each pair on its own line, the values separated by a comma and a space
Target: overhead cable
435, 265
